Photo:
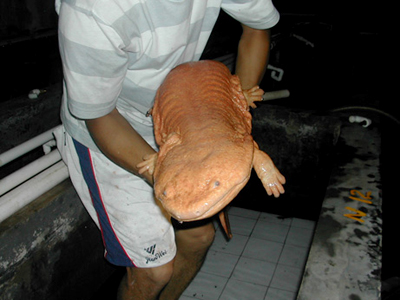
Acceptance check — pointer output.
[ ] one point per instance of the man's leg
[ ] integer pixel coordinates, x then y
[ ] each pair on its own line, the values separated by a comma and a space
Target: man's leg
147, 283
144, 283
131, 219
192, 246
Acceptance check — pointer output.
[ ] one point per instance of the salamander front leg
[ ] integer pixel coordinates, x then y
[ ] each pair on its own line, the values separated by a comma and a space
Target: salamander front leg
269, 175
148, 164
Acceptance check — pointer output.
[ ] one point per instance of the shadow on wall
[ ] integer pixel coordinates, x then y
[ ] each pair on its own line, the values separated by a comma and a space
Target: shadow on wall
302, 146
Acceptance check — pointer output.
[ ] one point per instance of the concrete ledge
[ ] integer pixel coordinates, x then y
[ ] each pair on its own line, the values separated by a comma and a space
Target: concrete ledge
51, 249
345, 256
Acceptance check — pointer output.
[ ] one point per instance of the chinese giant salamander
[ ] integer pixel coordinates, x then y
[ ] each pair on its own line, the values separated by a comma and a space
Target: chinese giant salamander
206, 152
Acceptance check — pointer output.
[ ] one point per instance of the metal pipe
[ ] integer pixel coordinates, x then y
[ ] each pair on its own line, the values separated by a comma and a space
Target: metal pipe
24, 148
367, 108
25, 185
276, 95
31, 189
23, 174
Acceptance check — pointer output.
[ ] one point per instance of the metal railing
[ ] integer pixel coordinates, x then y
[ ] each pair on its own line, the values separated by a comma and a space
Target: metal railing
26, 184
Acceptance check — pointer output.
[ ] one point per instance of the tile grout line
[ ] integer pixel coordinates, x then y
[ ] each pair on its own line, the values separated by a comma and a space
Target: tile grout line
241, 253
248, 238
279, 257
284, 243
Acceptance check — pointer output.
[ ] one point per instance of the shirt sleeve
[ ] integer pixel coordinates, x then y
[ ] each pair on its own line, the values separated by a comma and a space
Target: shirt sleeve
258, 14
94, 62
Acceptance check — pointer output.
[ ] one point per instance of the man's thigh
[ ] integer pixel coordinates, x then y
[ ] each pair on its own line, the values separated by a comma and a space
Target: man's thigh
135, 229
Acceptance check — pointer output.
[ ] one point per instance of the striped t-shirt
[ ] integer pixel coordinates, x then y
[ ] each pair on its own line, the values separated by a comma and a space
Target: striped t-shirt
116, 53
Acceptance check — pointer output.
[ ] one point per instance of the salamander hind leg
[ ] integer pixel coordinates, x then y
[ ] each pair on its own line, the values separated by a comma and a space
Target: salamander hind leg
268, 173
253, 95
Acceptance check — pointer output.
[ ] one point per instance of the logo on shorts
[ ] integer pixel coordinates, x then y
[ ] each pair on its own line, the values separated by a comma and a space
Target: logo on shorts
154, 255
151, 249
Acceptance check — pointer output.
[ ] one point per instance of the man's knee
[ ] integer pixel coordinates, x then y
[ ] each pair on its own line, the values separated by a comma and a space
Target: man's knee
207, 235
196, 238
154, 278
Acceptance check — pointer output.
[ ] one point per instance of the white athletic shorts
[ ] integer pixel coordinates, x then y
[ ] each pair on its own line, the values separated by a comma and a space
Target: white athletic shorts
136, 231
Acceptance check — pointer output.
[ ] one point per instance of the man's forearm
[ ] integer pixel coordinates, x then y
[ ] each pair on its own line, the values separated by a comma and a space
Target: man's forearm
120, 142
253, 53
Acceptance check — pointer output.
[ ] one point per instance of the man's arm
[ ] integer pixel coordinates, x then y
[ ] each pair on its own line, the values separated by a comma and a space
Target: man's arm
116, 138
253, 53
252, 60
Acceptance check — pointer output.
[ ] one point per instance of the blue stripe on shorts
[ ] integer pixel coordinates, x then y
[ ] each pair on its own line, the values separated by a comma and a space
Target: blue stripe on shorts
115, 253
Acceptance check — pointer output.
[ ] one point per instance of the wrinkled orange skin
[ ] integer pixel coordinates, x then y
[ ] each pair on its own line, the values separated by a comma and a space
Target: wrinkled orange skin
203, 128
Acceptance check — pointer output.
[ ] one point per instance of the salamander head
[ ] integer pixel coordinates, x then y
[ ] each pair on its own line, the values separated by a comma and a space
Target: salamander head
197, 184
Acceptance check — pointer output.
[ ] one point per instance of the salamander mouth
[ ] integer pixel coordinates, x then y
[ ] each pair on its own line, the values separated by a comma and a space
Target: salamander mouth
207, 210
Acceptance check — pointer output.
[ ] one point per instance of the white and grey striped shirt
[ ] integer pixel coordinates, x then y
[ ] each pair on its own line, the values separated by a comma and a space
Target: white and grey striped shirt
116, 53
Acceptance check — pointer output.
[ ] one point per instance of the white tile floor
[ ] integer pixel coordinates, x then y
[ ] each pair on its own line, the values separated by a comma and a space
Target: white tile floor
263, 261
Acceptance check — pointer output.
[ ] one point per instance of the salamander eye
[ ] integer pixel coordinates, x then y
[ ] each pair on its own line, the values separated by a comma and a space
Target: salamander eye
216, 183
